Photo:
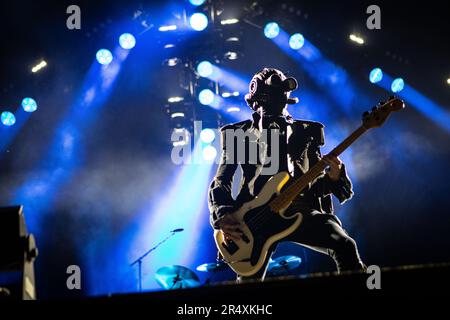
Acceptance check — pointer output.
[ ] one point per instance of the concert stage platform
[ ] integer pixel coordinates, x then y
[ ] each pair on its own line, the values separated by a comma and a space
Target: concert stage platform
413, 281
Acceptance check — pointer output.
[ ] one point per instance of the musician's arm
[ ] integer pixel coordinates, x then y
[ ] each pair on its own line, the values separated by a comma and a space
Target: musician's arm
220, 200
342, 188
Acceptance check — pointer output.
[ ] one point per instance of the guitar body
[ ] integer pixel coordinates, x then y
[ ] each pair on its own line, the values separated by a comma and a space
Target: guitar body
261, 226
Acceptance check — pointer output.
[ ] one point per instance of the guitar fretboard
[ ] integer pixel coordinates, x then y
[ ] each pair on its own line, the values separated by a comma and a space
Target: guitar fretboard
295, 188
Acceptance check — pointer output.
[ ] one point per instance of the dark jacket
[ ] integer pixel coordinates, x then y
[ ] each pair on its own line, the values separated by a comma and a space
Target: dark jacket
301, 152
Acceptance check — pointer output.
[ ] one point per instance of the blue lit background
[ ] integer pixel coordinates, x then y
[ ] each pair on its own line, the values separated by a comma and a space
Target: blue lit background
92, 163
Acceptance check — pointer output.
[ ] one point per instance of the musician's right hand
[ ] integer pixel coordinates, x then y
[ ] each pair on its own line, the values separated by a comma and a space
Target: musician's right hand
230, 227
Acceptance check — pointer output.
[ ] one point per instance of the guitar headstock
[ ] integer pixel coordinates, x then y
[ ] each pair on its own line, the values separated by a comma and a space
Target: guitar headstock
378, 115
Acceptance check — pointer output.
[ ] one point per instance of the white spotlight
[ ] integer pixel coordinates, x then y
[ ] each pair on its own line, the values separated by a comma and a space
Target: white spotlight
167, 28
177, 115
39, 66
175, 99
229, 21
356, 39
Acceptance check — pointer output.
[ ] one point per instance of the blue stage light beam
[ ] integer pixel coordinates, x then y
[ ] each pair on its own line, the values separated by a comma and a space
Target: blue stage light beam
189, 189
333, 79
63, 158
229, 79
430, 109
8, 133
208, 98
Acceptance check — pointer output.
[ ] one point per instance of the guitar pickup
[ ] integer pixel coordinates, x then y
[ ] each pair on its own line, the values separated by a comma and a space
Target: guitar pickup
230, 246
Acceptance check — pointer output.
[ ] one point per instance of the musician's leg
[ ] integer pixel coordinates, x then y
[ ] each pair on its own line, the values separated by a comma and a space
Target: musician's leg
324, 233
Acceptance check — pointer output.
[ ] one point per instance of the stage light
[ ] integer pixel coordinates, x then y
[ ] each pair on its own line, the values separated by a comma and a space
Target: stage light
296, 41
175, 99
356, 39
230, 80
448, 81
104, 56
231, 55
397, 85
233, 109
177, 115
167, 28
209, 153
172, 62
127, 41
232, 39
39, 66
8, 118
179, 143
229, 21
375, 75
169, 45
206, 97
207, 135
198, 21
271, 30
230, 94
197, 2
205, 69
29, 105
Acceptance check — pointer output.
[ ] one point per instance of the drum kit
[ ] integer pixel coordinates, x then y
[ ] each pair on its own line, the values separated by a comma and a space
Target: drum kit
178, 277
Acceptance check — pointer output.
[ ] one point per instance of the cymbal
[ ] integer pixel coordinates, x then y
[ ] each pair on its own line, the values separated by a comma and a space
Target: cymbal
176, 277
284, 263
212, 267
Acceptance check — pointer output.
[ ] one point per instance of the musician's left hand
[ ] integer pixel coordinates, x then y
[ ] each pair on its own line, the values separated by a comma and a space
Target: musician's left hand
335, 166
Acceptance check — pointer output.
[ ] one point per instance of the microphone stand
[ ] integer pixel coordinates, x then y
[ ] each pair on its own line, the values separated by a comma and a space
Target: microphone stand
138, 261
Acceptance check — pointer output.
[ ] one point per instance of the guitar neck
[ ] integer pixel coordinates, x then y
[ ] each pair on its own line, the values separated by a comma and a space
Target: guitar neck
295, 188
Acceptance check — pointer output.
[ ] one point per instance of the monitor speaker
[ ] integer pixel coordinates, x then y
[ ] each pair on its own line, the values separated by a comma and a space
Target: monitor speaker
17, 254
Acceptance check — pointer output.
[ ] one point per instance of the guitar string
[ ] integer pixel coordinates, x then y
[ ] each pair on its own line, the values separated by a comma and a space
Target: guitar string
261, 215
